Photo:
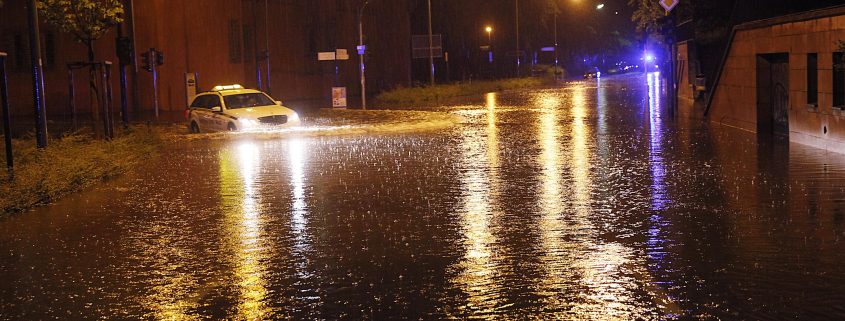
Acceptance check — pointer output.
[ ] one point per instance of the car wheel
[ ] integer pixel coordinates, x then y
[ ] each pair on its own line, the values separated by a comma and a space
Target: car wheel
232, 127
195, 129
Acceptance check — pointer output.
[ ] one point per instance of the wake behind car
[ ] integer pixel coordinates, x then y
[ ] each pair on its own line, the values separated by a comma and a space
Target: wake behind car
233, 108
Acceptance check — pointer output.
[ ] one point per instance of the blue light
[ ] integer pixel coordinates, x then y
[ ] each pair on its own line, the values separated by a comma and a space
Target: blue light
649, 57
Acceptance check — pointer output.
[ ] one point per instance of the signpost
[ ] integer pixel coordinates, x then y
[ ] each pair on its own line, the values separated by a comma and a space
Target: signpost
151, 60
339, 97
190, 87
338, 92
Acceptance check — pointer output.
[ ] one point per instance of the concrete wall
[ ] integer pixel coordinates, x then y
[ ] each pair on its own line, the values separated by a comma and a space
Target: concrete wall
685, 89
194, 36
735, 98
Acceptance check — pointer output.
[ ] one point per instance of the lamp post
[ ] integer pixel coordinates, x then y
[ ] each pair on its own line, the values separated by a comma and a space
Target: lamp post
489, 31
361, 51
518, 57
430, 44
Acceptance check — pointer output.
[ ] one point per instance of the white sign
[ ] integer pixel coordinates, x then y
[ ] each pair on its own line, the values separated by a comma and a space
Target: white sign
342, 54
339, 97
361, 49
323, 56
669, 4
190, 86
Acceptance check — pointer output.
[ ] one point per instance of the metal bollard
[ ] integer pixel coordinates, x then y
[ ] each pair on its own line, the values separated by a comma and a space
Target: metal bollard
4, 97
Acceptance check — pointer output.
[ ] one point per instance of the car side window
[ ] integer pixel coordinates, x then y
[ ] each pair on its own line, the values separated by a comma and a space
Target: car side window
200, 102
213, 101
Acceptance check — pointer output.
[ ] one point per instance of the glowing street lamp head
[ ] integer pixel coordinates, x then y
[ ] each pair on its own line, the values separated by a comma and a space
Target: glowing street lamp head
488, 29
649, 57
600, 6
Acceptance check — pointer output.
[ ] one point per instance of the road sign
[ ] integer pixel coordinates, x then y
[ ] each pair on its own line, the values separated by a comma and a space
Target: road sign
669, 4
323, 56
339, 97
342, 54
547, 49
361, 49
420, 46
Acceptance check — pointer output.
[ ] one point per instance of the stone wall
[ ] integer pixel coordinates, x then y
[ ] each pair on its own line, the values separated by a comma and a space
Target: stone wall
735, 98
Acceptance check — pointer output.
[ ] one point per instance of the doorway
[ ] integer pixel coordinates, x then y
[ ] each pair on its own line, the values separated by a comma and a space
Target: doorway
773, 94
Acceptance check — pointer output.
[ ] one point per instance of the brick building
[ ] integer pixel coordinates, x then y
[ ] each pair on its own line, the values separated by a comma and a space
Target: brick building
222, 41
779, 77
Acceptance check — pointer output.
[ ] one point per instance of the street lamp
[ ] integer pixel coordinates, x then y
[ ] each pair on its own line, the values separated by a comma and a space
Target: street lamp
489, 31
600, 6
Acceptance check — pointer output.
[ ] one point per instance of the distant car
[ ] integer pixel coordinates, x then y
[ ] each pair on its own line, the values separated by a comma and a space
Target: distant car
592, 74
233, 108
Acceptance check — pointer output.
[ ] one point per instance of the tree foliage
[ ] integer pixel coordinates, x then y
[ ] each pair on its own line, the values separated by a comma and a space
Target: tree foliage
86, 20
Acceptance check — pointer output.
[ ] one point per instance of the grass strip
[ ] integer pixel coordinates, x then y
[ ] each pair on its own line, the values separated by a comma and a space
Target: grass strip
70, 164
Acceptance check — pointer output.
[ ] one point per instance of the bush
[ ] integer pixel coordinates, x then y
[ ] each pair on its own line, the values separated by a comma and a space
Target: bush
70, 164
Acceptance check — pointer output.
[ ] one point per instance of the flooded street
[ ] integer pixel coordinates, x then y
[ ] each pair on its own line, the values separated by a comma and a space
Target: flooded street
587, 202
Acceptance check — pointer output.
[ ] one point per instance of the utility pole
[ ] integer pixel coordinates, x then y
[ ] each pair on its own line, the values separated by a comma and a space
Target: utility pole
556, 55
430, 44
362, 50
37, 76
518, 56
267, 43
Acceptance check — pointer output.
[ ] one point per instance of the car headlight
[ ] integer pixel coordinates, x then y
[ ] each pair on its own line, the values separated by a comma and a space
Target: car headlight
248, 122
294, 117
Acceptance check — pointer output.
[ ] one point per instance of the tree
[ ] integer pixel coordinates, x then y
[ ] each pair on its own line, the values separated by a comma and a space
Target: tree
86, 20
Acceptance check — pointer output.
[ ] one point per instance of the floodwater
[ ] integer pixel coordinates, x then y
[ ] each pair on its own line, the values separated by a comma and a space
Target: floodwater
587, 202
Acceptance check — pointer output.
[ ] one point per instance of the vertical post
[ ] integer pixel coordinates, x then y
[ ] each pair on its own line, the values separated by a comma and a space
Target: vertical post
430, 45
71, 90
122, 43
518, 56
130, 20
267, 45
255, 52
556, 45
155, 80
109, 99
37, 76
361, 54
7, 125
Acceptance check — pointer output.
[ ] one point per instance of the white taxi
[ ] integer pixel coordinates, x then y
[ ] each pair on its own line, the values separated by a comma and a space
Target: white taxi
233, 108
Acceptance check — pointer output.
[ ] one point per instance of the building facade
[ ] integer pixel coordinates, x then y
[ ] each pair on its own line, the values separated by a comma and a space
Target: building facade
222, 42
780, 77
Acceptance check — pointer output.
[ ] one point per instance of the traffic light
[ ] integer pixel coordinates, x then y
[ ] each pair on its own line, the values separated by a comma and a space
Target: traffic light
124, 50
145, 61
159, 58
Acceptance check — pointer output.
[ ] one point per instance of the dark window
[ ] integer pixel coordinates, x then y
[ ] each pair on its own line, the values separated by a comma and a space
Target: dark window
248, 43
214, 101
838, 80
201, 102
812, 79
49, 50
235, 49
19, 52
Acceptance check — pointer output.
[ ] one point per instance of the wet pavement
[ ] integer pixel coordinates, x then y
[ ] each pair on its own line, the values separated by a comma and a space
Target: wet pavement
591, 201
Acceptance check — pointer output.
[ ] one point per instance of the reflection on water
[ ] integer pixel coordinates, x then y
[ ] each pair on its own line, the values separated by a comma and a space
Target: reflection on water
240, 201
479, 185
573, 203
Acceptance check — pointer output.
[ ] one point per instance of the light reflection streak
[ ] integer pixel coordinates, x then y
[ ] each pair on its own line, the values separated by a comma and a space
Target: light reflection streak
573, 256
479, 183
551, 203
245, 225
658, 170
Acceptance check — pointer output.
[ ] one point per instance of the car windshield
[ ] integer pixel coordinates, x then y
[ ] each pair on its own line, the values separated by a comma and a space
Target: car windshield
247, 100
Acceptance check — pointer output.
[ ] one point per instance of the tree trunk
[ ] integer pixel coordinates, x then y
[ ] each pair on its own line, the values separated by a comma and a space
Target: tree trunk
93, 92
